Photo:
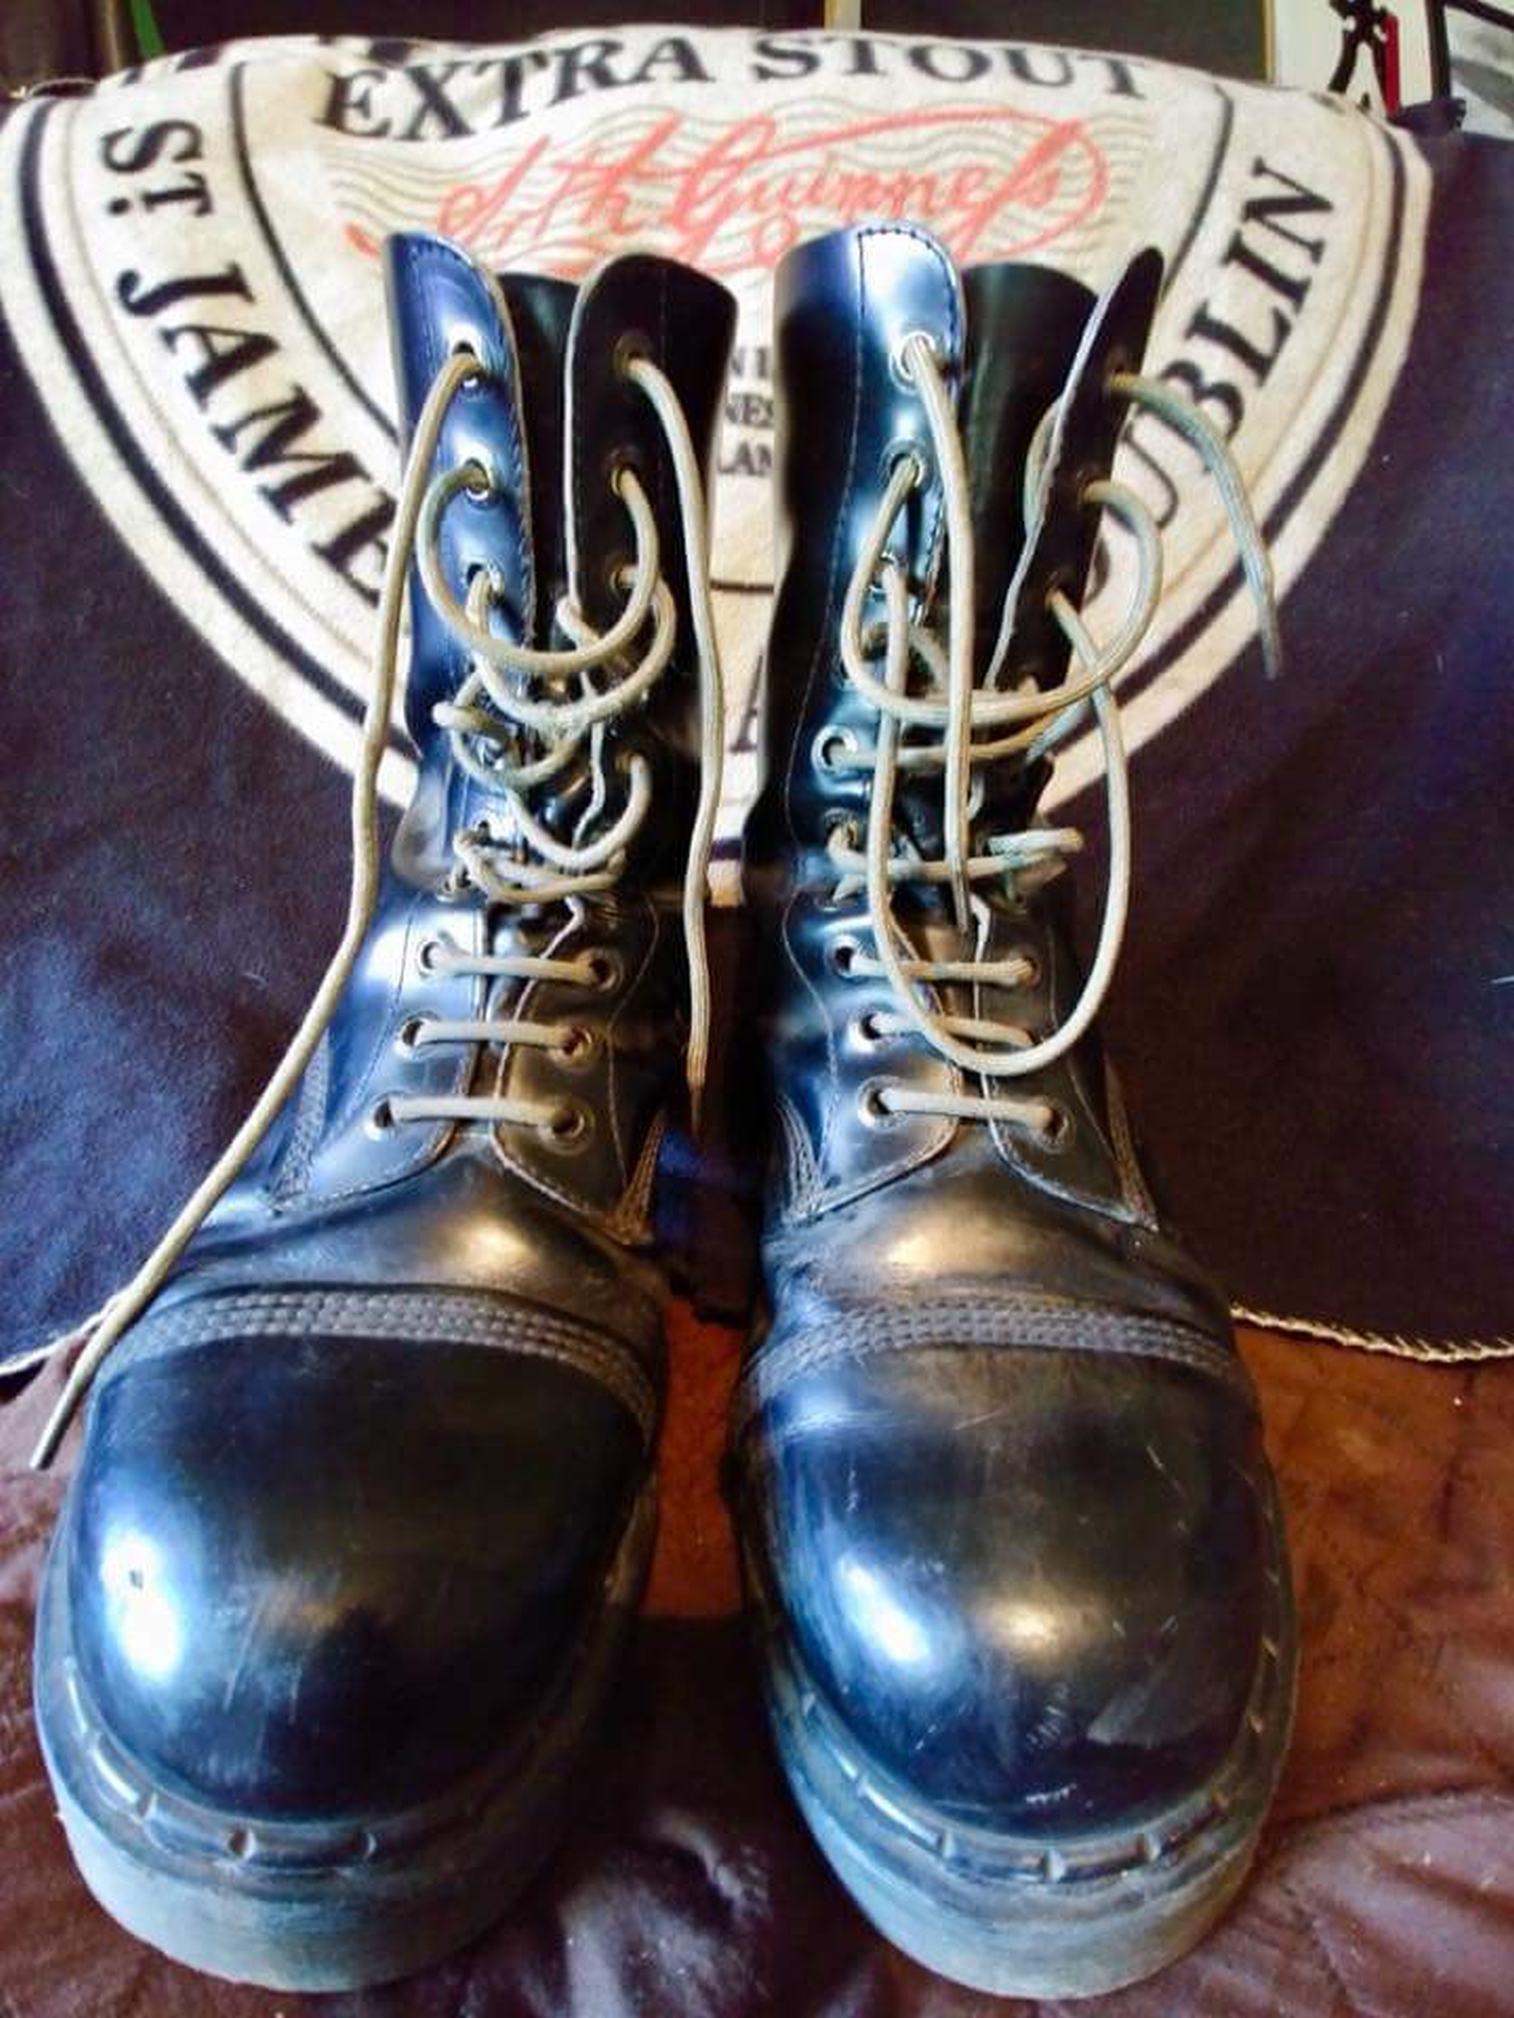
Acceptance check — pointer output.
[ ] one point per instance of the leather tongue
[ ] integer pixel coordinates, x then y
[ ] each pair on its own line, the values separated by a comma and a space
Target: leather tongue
541, 312
1024, 324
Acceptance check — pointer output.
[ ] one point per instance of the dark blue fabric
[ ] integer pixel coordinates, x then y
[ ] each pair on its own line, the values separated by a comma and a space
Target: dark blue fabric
175, 873
1314, 1014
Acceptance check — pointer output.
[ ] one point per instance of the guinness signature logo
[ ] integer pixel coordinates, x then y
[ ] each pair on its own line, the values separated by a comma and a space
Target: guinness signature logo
733, 198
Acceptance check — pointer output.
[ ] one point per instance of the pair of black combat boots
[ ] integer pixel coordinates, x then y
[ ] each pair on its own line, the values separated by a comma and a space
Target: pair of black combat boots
366, 1494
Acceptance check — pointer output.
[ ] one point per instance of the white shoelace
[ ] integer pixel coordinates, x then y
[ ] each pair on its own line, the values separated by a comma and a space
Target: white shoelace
981, 723
527, 866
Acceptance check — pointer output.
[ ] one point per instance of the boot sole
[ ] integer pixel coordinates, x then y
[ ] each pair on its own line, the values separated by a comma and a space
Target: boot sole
1074, 1916
320, 1906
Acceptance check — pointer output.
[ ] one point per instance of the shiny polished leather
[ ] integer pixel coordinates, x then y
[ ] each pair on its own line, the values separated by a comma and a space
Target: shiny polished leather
353, 1487
1003, 1500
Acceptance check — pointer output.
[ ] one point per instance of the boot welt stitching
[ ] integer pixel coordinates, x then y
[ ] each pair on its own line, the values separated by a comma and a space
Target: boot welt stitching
440, 1318
1056, 1327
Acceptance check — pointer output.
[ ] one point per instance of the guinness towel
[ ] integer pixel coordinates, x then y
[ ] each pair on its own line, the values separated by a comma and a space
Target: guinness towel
1315, 1009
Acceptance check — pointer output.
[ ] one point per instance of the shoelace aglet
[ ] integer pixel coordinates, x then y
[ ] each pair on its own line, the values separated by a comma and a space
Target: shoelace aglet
1269, 627
696, 1105
95, 1337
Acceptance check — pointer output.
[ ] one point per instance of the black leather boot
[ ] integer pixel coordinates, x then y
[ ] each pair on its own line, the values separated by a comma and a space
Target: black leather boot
366, 1499
1012, 1543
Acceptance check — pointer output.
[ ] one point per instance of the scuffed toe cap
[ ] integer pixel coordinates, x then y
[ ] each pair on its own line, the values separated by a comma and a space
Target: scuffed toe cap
1031, 1586
313, 1577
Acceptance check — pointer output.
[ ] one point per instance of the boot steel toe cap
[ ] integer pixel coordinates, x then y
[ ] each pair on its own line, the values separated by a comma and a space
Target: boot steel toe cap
319, 1576
1030, 1587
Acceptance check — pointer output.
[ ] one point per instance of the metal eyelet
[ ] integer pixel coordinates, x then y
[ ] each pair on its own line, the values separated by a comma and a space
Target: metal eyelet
570, 1127
606, 972
623, 461
579, 1047
911, 452
379, 1120
429, 953
865, 1030
1058, 1133
1058, 583
836, 820
898, 357
407, 1037
1031, 959
631, 347
841, 956
828, 738
478, 480
872, 1109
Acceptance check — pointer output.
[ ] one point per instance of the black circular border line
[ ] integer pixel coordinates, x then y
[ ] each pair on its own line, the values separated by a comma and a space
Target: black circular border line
1277, 519
1211, 183
180, 526
280, 259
